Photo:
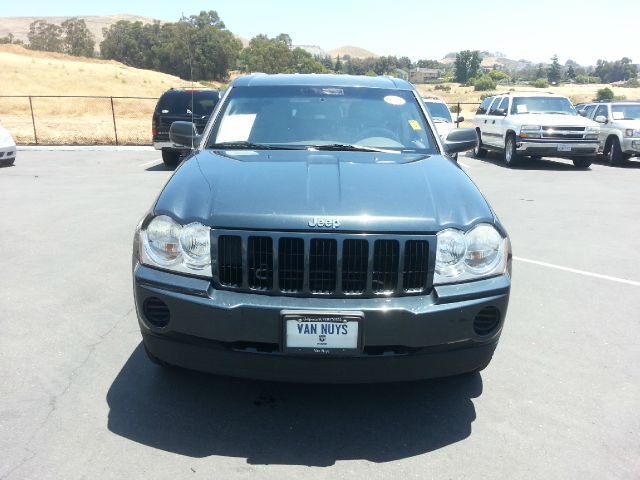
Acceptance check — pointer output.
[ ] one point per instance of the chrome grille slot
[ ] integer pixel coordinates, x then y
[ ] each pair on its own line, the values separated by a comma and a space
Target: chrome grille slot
313, 264
230, 260
355, 254
291, 264
563, 133
416, 260
260, 263
385, 265
322, 265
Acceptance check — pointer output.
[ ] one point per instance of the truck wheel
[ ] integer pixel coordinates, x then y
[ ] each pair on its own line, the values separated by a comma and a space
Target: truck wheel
478, 151
511, 156
171, 158
583, 162
614, 154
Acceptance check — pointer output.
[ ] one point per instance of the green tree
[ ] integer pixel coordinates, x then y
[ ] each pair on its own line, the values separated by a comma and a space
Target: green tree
338, 67
571, 73
45, 36
483, 84
540, 73
77, 39
554, 74
605, 94
616, 71
274, 55
196, 47
466, 65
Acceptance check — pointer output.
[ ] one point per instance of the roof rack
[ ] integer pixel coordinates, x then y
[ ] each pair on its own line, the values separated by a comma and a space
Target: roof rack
523, 91
611, 100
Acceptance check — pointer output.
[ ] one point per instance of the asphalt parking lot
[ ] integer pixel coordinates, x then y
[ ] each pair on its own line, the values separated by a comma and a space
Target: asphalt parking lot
79, 399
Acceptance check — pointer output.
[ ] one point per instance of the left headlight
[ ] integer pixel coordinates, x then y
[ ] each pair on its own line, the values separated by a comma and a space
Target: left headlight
591, 133
481, 252
166, 244
630, 132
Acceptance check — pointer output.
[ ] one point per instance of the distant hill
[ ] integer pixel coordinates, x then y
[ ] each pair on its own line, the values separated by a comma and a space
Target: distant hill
353, 52
19, 26
490, 59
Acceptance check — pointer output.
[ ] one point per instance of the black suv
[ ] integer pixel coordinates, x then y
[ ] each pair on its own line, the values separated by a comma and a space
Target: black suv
193, 105
319, 233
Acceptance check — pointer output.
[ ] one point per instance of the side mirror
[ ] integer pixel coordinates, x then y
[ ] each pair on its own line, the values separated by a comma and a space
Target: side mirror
460, 140
501, 112
582, 113
601, 119
460, 119
184, 133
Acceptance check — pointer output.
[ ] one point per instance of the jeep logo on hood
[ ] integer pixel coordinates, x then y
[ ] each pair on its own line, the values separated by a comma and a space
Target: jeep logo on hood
324, 222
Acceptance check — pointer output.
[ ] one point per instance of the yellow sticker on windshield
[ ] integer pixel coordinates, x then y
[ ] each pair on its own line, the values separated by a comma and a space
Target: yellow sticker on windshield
415, 125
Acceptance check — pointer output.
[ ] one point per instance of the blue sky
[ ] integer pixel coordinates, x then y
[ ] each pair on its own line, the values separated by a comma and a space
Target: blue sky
533, 30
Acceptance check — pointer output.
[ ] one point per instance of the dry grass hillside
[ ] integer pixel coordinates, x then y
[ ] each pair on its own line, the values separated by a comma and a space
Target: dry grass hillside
27, 72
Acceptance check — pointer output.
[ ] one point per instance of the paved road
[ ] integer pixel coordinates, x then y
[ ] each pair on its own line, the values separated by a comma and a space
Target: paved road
78, 398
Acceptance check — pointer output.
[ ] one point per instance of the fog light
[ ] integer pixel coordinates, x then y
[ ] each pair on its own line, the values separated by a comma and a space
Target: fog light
156, 312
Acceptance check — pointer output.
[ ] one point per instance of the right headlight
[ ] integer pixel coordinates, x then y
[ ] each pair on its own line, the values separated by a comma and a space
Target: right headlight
184, 249
531, 131
481, 252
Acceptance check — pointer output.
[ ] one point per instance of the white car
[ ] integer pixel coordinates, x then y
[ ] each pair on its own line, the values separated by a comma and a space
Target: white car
441, 116
534, 125
619, 128
7, 148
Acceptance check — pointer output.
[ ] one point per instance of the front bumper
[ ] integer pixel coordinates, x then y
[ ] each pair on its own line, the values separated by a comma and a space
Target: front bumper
159, 145
631, 146
240, 334
546, 148
7, 153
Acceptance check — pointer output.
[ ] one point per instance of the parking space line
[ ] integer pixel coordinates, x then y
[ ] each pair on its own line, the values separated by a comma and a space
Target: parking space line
149, 163
464, 164
579, 272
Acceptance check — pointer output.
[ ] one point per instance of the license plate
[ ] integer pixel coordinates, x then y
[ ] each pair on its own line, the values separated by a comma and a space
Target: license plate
322, 333
564, 148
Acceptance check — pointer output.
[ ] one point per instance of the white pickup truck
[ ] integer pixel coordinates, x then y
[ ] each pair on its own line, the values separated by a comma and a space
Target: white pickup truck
535, 125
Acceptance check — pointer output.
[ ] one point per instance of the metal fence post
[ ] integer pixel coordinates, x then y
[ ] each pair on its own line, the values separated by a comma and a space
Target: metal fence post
113, 115
33, 121
457, 115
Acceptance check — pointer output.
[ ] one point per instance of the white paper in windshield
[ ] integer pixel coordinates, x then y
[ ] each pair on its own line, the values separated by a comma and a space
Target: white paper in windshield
617, 115
521, 108
236, 128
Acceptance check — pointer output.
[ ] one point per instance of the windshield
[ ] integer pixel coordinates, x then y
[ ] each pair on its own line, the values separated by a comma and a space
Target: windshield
180, 102
559, 105
336, 118
439, 111
625, 112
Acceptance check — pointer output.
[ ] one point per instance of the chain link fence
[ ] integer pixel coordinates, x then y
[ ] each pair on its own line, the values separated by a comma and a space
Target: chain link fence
94, 120
78, 120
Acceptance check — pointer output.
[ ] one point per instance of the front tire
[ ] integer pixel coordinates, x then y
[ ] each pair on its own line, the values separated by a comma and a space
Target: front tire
511, 156
583, 162
171, 158
478, 151
155, 360
615, 156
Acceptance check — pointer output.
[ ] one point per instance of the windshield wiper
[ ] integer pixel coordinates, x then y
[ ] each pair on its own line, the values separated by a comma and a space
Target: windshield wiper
252, 146
348, 147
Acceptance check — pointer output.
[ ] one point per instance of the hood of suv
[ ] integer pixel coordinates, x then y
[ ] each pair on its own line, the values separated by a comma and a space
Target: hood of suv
287, 190
553, 120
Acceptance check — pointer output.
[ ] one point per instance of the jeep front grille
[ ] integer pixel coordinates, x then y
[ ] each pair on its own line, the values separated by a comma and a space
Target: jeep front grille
322, 264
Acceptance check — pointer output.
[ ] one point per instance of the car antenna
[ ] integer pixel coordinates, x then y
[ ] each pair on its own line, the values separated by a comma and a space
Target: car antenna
193, 107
